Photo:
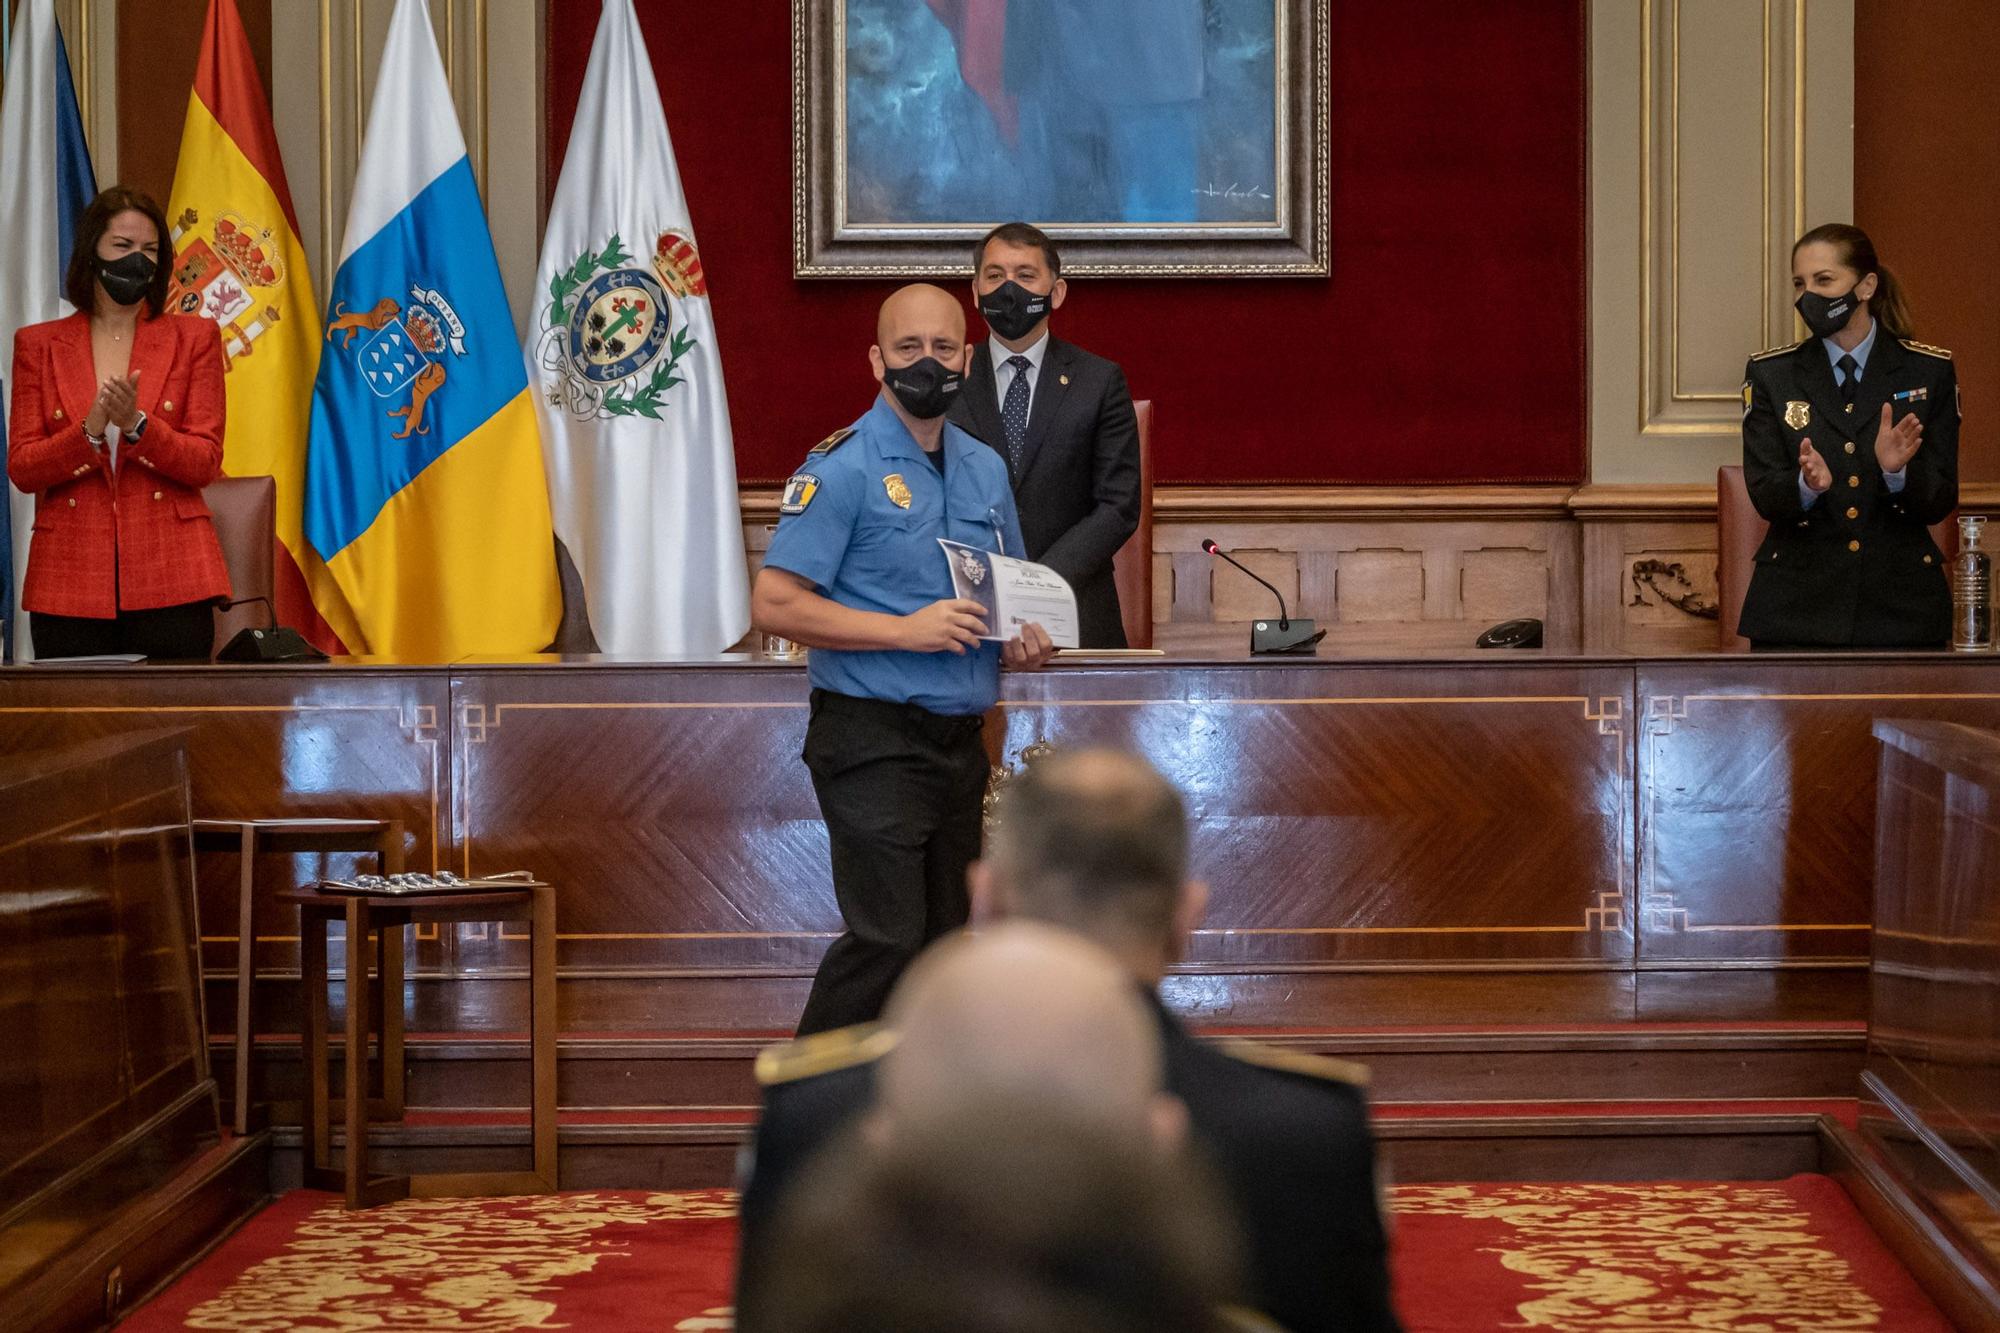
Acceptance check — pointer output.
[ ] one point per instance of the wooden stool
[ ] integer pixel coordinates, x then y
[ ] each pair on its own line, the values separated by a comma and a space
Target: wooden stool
534, 904
249, 837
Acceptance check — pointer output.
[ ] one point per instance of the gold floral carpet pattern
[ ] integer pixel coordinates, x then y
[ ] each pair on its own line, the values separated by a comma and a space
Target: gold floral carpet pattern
1743, 1256
1735, 1257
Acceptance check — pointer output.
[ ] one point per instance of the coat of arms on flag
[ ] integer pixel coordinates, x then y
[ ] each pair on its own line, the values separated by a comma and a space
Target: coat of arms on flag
218, 273
608, 329
402, 347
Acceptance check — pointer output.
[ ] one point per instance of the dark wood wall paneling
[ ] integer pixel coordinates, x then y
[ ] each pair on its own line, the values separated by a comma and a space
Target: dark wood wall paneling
108, 1125
1926, 170
1931, 1097
1548, 841
159, 44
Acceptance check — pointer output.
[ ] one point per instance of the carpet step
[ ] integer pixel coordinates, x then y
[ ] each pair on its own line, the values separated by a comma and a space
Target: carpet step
676, 1072
1741, 1139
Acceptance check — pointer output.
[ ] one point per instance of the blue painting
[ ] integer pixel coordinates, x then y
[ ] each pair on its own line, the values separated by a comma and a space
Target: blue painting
1093, 113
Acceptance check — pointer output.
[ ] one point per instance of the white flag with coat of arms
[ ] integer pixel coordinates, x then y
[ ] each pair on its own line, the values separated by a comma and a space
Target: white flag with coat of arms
628, 381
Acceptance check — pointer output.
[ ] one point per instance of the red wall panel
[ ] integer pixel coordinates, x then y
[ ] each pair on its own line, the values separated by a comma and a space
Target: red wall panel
1926, 169
1448, 345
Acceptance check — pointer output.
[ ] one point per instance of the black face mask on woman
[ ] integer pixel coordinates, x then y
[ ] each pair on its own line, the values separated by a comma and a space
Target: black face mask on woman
1826, 315
924, 387
1011, 310
126, 279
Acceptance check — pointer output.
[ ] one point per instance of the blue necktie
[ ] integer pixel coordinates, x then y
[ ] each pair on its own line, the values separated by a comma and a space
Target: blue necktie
1014, 412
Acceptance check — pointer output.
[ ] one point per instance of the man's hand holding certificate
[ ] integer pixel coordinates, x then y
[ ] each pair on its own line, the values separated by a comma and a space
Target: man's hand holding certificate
1015, 593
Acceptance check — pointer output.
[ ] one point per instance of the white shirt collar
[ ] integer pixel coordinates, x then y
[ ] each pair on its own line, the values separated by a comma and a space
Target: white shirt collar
1000, 352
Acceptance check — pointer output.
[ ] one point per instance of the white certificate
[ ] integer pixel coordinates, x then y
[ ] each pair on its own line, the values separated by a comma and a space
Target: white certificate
1015, 593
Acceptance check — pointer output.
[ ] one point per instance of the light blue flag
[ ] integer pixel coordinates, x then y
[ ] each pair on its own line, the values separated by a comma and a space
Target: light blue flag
47, 184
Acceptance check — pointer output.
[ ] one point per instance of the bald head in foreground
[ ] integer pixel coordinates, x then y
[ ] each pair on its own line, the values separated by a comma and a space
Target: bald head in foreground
1024, 1011
1022, 1168
1097, 842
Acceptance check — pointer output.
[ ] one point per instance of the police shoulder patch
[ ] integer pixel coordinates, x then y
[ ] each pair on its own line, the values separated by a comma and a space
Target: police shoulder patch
833, 441
799, 492
1779, 350
823, 1053
1941, 353
1286, 1061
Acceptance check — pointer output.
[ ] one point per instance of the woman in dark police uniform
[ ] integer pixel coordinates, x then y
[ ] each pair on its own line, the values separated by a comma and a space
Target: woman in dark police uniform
117, 425
1850, 449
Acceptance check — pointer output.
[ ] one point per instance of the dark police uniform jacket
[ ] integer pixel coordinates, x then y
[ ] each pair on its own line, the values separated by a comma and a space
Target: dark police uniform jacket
1077, 489
1288, 1133
1859, 567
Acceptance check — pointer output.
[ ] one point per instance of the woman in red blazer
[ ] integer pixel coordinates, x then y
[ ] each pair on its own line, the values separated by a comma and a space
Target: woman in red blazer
116, 427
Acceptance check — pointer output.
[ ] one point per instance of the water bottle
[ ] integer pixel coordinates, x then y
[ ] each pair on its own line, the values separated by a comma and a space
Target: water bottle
1971, 590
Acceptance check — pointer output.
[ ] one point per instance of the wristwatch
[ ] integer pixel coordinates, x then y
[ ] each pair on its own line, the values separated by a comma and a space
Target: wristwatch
138, 428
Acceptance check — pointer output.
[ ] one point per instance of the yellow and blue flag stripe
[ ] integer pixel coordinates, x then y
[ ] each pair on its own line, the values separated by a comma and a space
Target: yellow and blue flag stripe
425, 494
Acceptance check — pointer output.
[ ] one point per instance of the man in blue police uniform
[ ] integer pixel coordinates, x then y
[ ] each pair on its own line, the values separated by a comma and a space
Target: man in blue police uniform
900, 671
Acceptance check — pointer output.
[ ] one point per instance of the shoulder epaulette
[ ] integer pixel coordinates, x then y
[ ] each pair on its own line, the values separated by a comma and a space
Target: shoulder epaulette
823, 1053
1925, 348
832, 442
1780, 350
1287, 1061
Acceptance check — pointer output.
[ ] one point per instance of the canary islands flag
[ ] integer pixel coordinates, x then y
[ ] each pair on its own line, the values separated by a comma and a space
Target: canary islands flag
424, 487
238, 260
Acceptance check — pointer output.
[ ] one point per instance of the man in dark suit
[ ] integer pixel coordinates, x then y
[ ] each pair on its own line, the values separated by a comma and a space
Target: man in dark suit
1061, 418
1096, 842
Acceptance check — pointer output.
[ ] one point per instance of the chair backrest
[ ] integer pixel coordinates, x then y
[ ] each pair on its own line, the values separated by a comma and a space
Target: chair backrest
1132, 566
246, 523
1740, 530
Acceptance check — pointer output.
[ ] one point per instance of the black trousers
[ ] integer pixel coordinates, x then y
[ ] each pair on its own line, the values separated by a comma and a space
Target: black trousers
902, 792
168, 633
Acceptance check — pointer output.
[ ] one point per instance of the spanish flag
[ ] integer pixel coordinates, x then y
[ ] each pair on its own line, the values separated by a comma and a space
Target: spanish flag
239, 261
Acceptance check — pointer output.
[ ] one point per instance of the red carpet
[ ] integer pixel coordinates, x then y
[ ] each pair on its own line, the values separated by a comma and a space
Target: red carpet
1781, 1256
1774, 1257
610, 1260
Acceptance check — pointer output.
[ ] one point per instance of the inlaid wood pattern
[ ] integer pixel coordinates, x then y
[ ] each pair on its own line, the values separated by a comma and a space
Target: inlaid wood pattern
1757, 802
1371, 830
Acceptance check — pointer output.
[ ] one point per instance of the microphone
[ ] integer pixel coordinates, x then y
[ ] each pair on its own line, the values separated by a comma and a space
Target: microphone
1208, 545
270, 615
1287, 636
273, 643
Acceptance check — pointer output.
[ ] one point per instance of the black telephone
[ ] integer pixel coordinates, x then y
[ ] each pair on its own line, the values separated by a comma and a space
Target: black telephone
1513, 634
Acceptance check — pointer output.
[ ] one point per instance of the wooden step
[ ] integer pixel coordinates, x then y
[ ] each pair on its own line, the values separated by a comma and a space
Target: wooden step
1714, 1140
683, 1072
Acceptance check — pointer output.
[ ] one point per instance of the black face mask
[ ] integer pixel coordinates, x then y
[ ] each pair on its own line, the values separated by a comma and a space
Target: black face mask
924, 387
1011, 309
128, 279
1826, 315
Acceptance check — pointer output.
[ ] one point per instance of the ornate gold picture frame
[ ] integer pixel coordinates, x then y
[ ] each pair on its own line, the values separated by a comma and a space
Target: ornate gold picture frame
1150, 138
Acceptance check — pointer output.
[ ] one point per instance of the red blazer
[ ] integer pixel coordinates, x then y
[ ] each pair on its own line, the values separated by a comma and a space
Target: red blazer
150, 542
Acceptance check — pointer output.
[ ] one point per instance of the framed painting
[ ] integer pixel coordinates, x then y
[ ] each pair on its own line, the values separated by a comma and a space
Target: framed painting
1150, 138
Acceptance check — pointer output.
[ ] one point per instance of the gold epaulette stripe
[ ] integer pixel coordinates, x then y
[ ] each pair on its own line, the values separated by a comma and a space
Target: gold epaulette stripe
1925, 348
833, 441
823, 1052
1296, 1062
1770, 352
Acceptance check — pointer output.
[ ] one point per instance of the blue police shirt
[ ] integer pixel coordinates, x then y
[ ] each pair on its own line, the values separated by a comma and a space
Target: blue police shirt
843, 528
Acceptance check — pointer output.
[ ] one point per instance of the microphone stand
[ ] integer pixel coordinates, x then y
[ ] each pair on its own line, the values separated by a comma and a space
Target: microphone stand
1285, 637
